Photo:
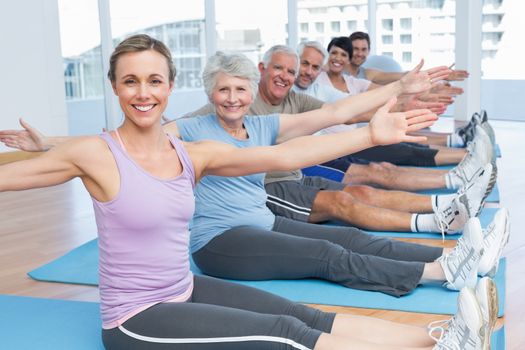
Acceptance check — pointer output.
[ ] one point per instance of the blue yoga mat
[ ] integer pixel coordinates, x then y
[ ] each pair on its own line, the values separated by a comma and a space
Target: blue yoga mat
485, 217
80, 266
45, 324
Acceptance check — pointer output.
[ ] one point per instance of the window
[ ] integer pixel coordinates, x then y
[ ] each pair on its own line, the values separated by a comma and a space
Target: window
351, 26
412, 24
407, 57
341, 17
387, 39
256, 30
405, 38
388, 24
182, 31
80, 43
405, 23
304, 27
387, 53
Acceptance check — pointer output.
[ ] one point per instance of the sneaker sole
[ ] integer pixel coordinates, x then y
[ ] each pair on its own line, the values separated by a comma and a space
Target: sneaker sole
493, 309
504, 240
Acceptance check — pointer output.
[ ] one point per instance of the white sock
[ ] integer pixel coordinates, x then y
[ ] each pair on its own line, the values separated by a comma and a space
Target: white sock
440, 200
423, 223
454, 140
452, 180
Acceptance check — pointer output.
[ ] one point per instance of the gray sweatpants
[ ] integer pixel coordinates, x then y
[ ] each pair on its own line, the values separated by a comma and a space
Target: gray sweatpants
294, 250
222, 315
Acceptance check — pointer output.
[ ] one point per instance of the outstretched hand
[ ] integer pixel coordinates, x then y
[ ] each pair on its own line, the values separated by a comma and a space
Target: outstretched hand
29, 139
410, 102
417, 81
457, 75
389, 128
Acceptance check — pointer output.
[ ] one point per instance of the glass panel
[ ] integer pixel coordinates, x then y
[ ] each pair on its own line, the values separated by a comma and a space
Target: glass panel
387, 39
503, 75
83, 75
252, 28
502, 31
181, 28
406, 38
80, 41
336, 27
415, 24
335, 18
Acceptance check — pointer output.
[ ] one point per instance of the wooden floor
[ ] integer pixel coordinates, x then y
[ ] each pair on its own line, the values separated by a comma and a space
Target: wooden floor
37, 226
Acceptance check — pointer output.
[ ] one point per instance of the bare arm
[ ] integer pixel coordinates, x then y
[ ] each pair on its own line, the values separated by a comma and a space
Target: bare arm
29, 139
51, 168
380, 77
343, 111
385, 128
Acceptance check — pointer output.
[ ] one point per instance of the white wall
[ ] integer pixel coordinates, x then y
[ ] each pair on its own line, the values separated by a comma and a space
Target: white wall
32, 83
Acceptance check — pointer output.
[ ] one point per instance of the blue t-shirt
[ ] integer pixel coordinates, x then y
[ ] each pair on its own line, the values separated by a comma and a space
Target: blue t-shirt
222, 203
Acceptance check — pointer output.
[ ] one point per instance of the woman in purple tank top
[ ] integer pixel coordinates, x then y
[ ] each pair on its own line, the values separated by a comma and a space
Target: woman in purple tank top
141, 181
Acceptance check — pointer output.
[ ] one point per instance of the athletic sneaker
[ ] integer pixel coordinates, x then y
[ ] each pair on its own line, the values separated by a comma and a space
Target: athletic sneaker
461, 264
464, 331
451, 217
490, 132
495, 237
487, 296
476, 191
467, 131
492, 181
488, 147
475, 159
484, 118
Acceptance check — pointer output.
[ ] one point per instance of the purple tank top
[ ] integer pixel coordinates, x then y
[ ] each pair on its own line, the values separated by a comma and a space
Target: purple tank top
143, 237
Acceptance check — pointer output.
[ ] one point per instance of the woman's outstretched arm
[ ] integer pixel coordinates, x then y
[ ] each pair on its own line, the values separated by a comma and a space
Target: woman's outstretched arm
385, 128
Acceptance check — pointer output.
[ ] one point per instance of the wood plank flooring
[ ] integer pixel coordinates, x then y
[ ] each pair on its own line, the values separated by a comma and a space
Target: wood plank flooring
39, 225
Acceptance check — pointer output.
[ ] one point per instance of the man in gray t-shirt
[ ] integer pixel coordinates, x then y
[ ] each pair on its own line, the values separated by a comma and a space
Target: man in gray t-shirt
316, 199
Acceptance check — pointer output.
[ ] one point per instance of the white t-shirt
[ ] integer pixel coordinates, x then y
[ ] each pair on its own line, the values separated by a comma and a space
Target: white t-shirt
354, 85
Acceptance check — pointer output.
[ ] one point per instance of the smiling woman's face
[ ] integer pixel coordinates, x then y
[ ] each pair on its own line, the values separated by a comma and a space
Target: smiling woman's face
142, 86
337, 59
232, 97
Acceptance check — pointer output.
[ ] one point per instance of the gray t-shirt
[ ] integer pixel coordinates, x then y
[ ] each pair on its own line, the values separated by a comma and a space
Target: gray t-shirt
293, 103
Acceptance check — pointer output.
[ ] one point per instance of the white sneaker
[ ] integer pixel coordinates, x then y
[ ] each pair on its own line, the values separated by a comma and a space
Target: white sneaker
452, 216
464, 331
481, 136
495, 237
487, 296
476, 158
476, 191
461, 264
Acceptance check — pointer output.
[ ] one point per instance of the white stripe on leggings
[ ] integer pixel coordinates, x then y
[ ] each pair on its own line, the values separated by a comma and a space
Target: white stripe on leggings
288, 205
213, 340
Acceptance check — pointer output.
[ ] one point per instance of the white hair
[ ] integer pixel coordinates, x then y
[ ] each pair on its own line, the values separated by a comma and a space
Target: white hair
314, 45
235, 65
280, 49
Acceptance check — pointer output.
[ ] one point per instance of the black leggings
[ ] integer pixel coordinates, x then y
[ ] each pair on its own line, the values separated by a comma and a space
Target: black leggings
294, 250
222, 316
400, 154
